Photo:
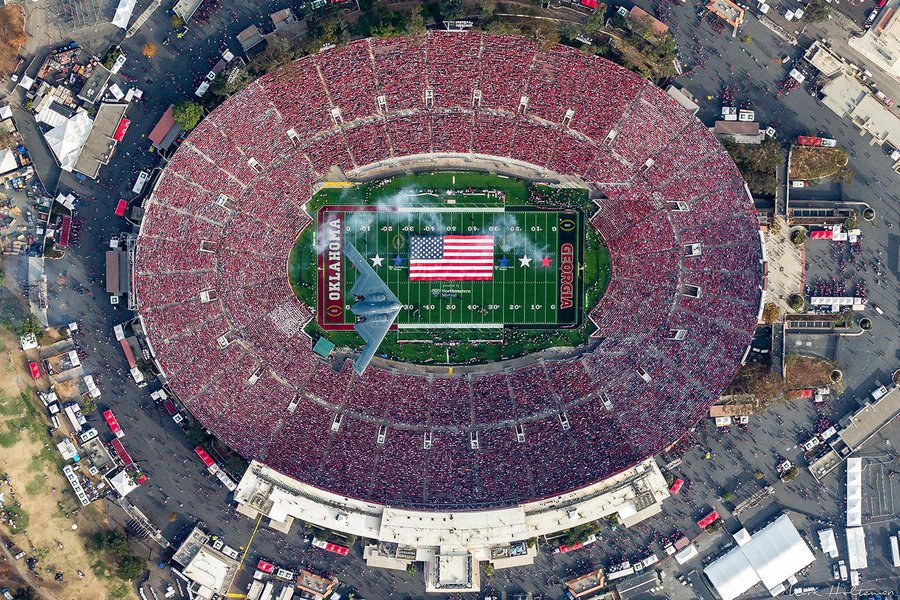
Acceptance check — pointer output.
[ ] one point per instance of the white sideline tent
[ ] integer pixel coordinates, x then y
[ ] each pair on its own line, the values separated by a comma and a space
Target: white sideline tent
123, 13
771, 556
67, 139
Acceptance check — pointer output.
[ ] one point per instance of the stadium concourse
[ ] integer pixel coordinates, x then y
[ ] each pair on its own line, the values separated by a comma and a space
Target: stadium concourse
227, 330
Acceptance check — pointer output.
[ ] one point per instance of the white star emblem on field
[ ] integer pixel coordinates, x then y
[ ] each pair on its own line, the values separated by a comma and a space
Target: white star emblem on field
525, 260
376, 261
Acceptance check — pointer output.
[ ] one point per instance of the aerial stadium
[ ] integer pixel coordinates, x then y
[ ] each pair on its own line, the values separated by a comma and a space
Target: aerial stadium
562, 272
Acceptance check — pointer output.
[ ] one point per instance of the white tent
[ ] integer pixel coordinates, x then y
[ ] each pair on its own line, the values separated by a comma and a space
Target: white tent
773, 554
67, 140
8, 161
123, 13
857, 556
854, 491
828, 543
122, 483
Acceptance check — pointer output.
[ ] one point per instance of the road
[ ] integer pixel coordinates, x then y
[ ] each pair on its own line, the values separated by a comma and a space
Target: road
179, 489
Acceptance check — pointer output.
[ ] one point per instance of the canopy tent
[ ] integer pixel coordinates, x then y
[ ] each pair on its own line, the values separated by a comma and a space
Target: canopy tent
828, 543
772, 555
854, 491
123, 13
122, 483
857, 556
708, 520
67, 139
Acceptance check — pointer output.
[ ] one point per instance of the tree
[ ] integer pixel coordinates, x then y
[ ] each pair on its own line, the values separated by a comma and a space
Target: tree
796, 302
758, 475
596, 21
131, 567
196, 434
451, 10
115, 543
31, 325
416, 26
149, 50
187, 114
771, 312
489, 569
230, 82
747, 39
545, 34
176, 21
488, 8
25, 593
798, 238
278, 53
817, 10
844, 175
2, 276
727, 495
412, 569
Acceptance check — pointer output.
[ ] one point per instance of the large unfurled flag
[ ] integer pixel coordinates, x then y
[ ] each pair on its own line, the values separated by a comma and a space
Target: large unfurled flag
451, 257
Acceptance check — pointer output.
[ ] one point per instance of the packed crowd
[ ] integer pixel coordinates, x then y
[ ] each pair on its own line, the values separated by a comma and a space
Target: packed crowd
230, 204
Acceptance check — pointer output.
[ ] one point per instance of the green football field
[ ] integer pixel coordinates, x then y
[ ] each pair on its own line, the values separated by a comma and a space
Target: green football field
537, 269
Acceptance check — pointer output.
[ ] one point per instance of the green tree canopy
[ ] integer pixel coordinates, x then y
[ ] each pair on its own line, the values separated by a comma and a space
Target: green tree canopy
817, 10
187, 114
131, 567
451, 10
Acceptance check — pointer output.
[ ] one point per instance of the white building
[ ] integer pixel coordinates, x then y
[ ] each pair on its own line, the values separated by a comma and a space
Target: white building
450, 543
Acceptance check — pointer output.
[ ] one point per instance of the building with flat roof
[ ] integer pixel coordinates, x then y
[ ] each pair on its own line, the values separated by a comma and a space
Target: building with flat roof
585, 585
210, 572
728, 11
823, 59
315, 584
684, 98
848, 98
107, 131
451, 543
881, 44
856, 429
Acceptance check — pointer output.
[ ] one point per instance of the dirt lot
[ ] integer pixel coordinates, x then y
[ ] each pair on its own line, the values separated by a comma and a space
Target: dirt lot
12, 36
32, 466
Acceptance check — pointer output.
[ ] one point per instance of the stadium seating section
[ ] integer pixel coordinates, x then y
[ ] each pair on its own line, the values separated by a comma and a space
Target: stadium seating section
633, 391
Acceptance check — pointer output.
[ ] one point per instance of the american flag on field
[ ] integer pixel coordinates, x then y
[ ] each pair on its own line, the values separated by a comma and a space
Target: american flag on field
451, 257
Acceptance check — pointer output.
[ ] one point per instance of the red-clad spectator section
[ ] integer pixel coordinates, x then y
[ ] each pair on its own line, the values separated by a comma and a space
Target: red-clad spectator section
228, 331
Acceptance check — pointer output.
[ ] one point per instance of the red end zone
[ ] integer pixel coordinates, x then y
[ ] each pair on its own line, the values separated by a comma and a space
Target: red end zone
331, 264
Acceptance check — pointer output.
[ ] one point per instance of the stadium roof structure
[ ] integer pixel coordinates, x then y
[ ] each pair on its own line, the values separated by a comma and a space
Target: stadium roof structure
404, 436
771, 556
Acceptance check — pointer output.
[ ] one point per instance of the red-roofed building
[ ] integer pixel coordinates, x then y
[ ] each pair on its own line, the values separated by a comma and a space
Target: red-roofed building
166, 130
639, 16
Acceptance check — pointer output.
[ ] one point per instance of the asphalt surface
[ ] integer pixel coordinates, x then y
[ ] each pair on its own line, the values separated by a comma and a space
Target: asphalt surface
180, 489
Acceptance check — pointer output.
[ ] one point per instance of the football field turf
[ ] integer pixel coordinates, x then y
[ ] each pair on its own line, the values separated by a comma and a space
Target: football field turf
536, 278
